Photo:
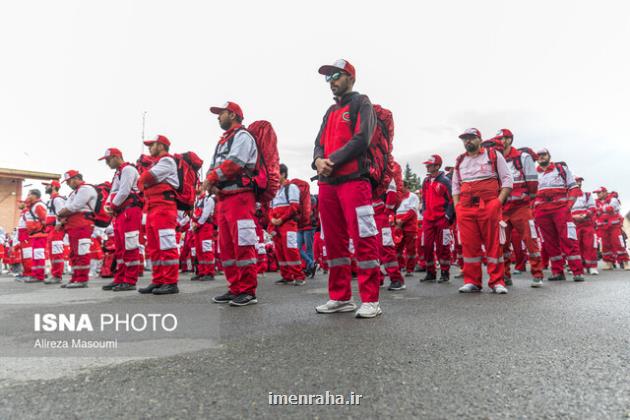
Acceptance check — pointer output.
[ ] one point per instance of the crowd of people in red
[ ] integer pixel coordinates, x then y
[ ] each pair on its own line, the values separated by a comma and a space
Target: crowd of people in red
497, 205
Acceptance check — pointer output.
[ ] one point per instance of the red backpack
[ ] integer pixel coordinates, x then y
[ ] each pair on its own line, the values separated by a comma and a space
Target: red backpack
398, 179
304, 216
266, 176
100, 217
188, 166
492, 154
379, 154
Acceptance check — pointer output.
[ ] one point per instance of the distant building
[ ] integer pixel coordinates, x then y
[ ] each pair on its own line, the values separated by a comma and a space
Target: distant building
11, 182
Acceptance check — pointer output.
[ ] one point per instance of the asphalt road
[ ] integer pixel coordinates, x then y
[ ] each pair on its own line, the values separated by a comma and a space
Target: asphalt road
562, 351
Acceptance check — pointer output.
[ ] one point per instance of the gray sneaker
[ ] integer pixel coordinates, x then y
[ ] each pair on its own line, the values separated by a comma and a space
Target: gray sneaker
537, 283
333, 306
469, 288
500, 290
369, 310
52, 280
76, 285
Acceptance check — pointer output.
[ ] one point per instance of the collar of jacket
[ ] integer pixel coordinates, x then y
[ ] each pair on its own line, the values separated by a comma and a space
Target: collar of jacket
345, 99
229, 133
550, 168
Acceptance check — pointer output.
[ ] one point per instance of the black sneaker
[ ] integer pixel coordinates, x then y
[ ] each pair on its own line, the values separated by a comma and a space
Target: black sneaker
224, 298
284, 281
444, 277
578, 278
428, 277
109, 286
557, 277
396, 285
209, 277
196, 278
166, 289
149, 288
243, 300
123, 287
508, 281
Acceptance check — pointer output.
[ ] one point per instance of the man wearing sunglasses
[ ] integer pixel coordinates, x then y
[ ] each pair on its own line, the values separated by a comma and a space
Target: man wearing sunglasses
557, 191
345, 193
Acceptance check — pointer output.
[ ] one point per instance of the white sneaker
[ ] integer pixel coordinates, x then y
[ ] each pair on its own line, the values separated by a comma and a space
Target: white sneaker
537, 283
500, 290
333, 306
469, 288
369, 310
593, 272
607, 266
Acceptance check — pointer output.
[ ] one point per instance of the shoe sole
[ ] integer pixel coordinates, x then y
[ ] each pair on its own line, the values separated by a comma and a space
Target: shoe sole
221, 301
394, 289
166, 293
378, 312
251, 302
470, 291
349, 308
124, 290
536, 285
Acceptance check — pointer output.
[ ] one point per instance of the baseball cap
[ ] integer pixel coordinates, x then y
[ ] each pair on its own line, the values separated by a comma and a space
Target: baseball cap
543, 151
471, 132
230, 106
158, 139
53, 183
504, 132
339, 65
112, 151
600, 189
578, 178
70, 174
433, 160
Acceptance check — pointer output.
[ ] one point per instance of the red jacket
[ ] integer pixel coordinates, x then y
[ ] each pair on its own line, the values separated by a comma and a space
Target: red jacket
344, 137
437, 201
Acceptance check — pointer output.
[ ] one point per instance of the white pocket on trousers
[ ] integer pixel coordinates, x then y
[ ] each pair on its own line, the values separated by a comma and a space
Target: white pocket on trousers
27, 253
571, 231
447, 237
532, 229
246, 232
367, 224
193, 251
206, 245
132, 240
502, 236
623, 246
84, 245
39, 254
388, 239
292, 240
56, 247
168, 239
324, 253
595, 242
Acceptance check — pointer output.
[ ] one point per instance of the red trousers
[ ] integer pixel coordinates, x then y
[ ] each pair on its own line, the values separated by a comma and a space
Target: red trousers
261, 249
588, 244
80, 243
237, 240
55, 251
406, 249
437, 241
289, 260
519, 256
560, 240
162, 243
421, 261
520, 218
204, 244
27, 252
319, 251
127, 245
387, 249
38, 269
346, 212
479, 225
612, 244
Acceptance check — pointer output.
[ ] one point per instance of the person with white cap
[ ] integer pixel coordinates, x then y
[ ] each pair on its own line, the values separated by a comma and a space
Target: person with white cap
55, 234
482, 182
584, 212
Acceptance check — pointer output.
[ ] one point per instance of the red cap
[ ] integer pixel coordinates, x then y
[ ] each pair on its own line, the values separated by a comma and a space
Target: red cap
600, 189
339, 65
158, 139
112, 151
471, 132
230, 106
70, 174
53, 183
578, 178
504, 132
433, 160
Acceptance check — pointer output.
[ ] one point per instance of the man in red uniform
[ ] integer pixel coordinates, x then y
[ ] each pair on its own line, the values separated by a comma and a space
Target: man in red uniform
345, 193
557, 191
77, 220
229, 177
125, 205
203, 228
283, 225
55, 236
609, 229
159, 185
481, 184
584, 212
517, 213
407, 215
438, 216
35, 217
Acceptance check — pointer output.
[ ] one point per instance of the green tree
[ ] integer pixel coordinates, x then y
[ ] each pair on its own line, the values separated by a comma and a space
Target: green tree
411, 179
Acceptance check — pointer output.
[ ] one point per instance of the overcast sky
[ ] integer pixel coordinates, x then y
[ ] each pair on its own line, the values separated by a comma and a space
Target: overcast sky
78, 75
